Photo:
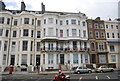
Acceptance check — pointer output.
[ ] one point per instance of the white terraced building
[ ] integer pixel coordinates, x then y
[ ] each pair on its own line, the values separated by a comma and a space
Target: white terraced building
50, 40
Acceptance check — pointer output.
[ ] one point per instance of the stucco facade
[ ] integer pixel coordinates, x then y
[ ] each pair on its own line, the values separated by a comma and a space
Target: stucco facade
113, 44
50, 40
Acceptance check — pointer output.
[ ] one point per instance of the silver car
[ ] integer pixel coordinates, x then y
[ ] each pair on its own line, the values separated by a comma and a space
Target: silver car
79, 70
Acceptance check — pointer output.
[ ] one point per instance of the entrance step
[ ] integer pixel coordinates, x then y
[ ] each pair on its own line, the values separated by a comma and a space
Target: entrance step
64, 67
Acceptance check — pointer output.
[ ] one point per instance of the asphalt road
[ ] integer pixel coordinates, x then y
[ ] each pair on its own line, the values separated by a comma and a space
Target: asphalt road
111, 76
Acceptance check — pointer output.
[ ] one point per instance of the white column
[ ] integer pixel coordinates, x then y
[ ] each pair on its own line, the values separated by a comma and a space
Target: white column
54, 60
79, 59
71, 60
28, 59
71, 47
78, 45
46, 61
16, 57
20, 57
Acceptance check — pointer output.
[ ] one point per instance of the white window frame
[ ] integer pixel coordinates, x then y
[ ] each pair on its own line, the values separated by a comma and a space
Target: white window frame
102, 58
75, 59
113, 59
50, 58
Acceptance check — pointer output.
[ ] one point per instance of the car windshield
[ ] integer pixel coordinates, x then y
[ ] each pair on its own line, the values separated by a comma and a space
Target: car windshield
80, 67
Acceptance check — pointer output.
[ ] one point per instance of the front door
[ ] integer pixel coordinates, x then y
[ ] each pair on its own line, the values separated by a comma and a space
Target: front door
37, 60
12, 60
93, 58
61, 58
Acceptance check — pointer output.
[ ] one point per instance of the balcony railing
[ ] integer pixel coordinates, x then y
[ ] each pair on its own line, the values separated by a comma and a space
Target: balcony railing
102, 50
64, 49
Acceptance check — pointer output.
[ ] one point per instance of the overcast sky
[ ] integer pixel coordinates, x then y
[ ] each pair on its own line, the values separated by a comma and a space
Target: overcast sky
92, 8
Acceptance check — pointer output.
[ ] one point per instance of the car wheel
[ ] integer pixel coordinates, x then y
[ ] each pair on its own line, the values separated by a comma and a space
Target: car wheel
78, 72
112, 70
101, 71
89, 71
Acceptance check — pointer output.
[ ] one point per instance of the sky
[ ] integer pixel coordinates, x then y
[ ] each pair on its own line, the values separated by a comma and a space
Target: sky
92, 8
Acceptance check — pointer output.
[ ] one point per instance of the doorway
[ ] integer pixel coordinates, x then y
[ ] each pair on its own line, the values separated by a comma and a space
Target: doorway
93, 58
37, 60
12, 61
61, 58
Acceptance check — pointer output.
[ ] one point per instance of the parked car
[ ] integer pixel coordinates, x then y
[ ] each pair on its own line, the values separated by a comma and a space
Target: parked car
104, 69
79, 70
73, 68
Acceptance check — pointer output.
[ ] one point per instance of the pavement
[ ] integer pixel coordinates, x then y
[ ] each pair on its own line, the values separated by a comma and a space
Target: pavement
40, 73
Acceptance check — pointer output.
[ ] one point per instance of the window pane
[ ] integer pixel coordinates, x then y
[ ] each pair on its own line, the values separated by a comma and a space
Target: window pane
7, 33
67, 22
25, 32
61, 33
24, 59
15, 22
38, 23
73, 21
102, 59
50, 31
25, 45
84, 33
38, 46
8, 21
32, 33
5, 45
97, 34
50, 20
26, 20
4, 59
1, 20
61, 22
86, 58
112, 49
13, 46
14, 33
32, 21
113, 58
75, 58
1, 32
50, 58
74, 32
83, 23
38, 34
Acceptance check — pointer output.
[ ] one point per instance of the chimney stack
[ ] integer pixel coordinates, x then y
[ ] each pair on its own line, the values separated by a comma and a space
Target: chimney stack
43, 8
98, 18
23, 6
2, 5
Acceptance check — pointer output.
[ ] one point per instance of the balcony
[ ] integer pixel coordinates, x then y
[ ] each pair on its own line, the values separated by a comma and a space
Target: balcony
64, 49
49, 38
102, 51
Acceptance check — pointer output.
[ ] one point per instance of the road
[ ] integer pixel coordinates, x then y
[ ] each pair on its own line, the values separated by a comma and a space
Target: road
111, 76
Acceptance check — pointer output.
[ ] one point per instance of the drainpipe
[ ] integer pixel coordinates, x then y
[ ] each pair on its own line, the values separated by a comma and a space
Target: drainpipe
34, 42
9, 42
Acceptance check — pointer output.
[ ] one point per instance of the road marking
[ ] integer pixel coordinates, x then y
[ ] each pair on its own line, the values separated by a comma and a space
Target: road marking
96, 77
80, 79
108, 77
